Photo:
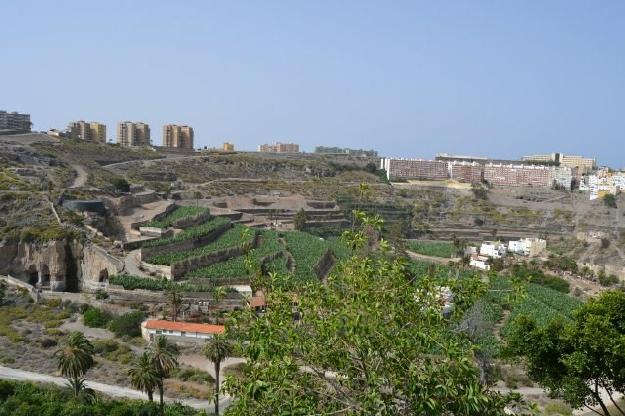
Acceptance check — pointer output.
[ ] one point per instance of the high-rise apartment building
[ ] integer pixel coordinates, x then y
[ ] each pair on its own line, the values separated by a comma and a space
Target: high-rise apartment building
133, 134
279, 148
178, 136
583, 164
14, 121
82, 130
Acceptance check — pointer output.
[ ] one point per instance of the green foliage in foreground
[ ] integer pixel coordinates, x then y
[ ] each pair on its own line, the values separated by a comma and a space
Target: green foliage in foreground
177, 214
579, 358
384, 338
28, 399
443, 249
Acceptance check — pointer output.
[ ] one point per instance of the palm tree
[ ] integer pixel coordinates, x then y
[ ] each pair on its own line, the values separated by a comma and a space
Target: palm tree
75, 358
217, 350
174, 299
143, 375
164, 358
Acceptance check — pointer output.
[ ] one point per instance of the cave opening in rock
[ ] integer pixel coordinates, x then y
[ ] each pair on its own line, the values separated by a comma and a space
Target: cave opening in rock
33, 275
103, 276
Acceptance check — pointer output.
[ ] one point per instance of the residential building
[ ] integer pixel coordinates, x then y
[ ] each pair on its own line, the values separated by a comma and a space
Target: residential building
133, 134
97, 131
470, 172
493, 249
82, 130
602, 183
479, 262
530, 247
179, 331
518, 175
228, 147
180, 137
15, 121
279, 148
414, 169
562, 177
583, 164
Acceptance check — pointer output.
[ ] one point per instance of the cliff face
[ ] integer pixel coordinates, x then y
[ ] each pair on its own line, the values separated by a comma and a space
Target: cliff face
55, 265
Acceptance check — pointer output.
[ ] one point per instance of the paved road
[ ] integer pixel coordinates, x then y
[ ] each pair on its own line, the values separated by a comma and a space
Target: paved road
110, 390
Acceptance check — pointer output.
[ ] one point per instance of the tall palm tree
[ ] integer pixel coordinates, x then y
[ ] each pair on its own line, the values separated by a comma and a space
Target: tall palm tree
174, 299
164, 358
75, 358
143, 375
217, 350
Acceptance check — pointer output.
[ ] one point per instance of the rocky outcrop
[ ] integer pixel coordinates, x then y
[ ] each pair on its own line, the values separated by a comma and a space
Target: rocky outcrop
53, 265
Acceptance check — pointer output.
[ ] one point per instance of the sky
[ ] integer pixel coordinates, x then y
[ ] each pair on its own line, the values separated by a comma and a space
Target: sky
407, 78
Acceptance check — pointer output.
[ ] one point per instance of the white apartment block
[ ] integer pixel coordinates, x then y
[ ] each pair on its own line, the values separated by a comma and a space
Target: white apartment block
530, 247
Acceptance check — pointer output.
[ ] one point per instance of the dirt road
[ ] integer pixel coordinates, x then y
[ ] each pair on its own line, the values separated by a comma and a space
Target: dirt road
81, 177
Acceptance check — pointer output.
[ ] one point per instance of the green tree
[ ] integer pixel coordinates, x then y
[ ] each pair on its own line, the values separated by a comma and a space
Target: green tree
299, 222
217, 350
164, 358
368, 342
143, 375
582, 361
74, 359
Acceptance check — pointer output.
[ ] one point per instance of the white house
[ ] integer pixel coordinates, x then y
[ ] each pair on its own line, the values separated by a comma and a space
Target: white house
493, 249
530, 247
179, 331
479, 262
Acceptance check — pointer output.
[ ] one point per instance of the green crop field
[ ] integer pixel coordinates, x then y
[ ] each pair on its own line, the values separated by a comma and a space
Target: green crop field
177, 214
443, 249
231, 238
190, 233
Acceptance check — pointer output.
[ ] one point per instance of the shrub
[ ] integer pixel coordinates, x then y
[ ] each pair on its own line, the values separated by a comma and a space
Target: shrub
127, 324
607, 279
101, 294
610, 201
48, 342
120, 184
96, 318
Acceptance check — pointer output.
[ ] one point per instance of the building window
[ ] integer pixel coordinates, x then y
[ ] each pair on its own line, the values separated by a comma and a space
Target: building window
182, 334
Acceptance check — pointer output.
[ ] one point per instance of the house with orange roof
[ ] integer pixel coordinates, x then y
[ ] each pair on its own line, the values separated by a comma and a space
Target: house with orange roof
179, 331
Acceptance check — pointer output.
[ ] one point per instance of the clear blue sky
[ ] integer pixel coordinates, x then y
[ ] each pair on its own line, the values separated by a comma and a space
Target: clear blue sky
409, 78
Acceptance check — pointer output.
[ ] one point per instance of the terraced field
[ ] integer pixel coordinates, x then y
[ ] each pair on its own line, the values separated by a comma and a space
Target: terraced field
300, 250
177, 214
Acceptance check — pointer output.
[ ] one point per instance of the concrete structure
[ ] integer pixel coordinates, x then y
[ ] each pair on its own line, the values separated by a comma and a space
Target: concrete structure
493, 249
15, 121
602, 183
479, 262
530, 247
228, 147
133, 134
179, 331
178, 136
82, 130
279, 148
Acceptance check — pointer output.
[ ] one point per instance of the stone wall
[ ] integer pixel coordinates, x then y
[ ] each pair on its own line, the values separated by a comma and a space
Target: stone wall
97, 265
192, 221
125, 203
157, 217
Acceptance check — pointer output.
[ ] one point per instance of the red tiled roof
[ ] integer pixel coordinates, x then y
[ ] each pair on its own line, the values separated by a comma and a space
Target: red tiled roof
184, 326
257, 301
